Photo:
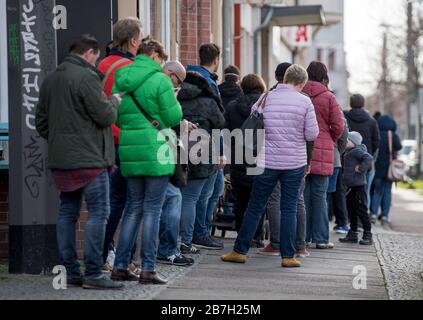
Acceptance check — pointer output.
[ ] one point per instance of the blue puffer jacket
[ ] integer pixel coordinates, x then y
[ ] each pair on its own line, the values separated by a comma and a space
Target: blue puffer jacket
386, 123
357, 156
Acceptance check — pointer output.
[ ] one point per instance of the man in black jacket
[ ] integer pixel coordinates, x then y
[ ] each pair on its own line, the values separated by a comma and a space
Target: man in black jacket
359, 120
201, 106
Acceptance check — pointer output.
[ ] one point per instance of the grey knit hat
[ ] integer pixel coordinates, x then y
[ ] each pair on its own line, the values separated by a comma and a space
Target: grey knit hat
355, 138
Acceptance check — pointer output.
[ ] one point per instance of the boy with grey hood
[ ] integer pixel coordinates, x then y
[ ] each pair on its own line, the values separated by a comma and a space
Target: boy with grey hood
357, 163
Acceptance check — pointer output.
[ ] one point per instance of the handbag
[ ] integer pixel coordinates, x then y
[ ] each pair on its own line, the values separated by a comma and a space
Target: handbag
254, 122
180, 178
397, 168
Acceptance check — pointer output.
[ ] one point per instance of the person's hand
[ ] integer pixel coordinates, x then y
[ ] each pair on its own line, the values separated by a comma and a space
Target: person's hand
222, 162
118, 97
357, 169
191, 126
308, 170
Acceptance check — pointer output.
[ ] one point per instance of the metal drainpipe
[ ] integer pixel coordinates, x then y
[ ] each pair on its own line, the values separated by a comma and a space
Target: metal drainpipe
264, 24
227, 32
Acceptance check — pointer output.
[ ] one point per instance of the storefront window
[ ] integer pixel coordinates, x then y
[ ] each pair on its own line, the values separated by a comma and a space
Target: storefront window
160, 20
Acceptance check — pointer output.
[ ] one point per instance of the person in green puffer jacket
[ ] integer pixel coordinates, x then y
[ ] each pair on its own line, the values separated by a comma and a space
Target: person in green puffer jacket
139, 149
143, 161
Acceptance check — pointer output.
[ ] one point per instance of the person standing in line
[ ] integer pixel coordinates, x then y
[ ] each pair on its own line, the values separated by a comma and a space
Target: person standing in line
127, 35
146, 168
359, 120
75, 118
332, 125
289, 122
382, 197
237, 112
209, 55
230, 89
337, 193
202, 107
168, 251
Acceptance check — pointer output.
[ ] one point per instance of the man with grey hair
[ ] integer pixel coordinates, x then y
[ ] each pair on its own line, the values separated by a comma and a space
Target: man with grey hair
168, 251
176, 72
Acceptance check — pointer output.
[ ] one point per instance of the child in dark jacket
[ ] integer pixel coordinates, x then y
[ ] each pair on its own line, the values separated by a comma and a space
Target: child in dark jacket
357, 163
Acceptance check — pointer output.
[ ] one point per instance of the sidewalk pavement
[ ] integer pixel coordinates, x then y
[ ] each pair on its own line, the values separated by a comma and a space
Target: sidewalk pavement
327, 274
394, 266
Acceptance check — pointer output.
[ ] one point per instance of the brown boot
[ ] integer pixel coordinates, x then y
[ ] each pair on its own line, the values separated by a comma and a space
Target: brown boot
151, 278
123, 275
291, 263
234, 257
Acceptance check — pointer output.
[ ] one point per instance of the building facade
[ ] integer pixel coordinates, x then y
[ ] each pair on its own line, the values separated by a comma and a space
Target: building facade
28, 215
329, 47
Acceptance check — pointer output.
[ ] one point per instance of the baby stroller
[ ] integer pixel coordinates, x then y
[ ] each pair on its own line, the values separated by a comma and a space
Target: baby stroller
224, 218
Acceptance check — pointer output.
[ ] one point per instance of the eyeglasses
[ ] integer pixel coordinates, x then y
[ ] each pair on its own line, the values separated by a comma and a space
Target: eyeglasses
179, 79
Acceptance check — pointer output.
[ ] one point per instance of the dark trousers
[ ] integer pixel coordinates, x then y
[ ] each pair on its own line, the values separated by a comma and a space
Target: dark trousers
118, 193
357, 208
338, 203
242, 195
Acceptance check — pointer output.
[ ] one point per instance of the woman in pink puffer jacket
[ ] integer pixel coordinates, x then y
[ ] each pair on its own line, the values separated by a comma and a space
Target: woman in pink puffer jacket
289, 121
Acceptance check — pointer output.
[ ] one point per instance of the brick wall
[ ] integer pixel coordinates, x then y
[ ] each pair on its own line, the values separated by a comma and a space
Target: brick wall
4, 208
195, 28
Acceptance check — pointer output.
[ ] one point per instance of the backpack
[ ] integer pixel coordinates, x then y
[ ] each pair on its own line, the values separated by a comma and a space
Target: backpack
255, 123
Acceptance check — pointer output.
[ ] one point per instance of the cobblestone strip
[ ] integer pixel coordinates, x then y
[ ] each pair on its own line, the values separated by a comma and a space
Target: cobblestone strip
401, 259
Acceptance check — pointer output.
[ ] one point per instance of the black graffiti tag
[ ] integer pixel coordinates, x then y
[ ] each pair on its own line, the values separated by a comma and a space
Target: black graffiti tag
34, 166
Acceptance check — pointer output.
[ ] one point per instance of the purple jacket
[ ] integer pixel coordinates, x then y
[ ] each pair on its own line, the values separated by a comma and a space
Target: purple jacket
289, 121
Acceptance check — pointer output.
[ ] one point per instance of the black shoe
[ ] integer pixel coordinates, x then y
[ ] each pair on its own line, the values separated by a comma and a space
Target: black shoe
151, 278
189, 249
352, 237
208, 243
102, 283
258, 244
124, 275
367, 239
75, 282
180, 261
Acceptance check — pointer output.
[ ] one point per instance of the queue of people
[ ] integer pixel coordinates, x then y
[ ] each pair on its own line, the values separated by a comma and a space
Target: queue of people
103, 123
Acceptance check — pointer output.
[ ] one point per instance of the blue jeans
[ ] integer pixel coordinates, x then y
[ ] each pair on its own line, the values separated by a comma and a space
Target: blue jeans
370, 178
219, 187
263, 187
382, 197
97, 196
190, 197
118, 193
169, 223
146, 196
333, 180
317, 209
204, 202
